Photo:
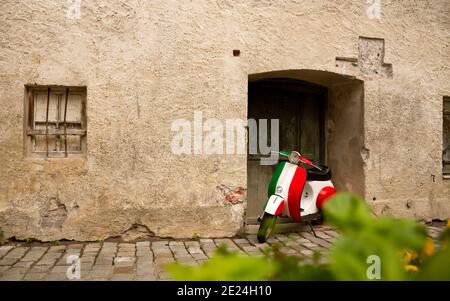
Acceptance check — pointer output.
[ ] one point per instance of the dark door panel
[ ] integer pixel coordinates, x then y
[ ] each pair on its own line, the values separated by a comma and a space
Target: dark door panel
300, 108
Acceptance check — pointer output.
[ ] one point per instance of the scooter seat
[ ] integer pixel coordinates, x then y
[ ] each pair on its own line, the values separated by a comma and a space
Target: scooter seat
318, 175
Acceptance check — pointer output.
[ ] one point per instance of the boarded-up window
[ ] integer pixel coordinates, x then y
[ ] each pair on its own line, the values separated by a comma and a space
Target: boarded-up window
55, 121
446, 132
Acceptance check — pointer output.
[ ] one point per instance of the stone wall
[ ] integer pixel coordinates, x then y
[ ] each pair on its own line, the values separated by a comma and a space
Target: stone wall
146, 63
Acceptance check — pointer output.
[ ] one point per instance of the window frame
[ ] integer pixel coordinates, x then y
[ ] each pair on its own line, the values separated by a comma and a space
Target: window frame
444, 114
28, 123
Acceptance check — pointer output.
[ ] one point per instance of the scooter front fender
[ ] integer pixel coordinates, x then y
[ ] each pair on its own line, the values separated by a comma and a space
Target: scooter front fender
275, 205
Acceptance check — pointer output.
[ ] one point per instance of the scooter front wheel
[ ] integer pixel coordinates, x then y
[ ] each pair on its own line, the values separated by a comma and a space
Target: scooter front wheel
266, 227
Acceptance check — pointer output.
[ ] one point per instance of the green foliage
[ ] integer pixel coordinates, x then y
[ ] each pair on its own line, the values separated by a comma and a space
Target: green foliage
436, 267
195, 236
224, 266
55, 242
29, 240
296, 268
362, 235
365, 235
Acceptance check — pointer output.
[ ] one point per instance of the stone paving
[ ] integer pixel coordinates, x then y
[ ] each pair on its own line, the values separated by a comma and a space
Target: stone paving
143, 260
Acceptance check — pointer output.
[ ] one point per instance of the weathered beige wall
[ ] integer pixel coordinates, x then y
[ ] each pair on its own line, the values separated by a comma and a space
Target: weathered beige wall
345, 139
146, 63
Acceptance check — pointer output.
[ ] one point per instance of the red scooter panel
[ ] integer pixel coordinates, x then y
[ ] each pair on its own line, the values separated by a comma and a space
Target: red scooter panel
295, 193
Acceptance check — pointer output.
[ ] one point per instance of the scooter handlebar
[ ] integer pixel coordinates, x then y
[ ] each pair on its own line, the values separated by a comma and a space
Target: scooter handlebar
301, 158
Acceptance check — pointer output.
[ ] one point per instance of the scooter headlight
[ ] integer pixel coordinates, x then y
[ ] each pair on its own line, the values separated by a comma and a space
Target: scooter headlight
294, 157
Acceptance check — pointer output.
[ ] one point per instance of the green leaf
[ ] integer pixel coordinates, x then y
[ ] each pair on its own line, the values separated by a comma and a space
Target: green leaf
403, 234
349, 258
225, 267
436, 267
347, 212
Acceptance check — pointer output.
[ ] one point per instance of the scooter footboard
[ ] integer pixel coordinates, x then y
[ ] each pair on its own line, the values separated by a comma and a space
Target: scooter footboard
275, 205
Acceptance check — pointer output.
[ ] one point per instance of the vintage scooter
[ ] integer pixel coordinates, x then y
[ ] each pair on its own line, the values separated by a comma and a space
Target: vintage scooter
295, 191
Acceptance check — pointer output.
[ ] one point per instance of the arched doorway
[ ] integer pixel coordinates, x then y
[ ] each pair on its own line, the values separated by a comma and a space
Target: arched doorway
320, 114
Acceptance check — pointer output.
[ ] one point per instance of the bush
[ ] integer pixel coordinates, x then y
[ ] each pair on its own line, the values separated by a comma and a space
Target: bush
402, 246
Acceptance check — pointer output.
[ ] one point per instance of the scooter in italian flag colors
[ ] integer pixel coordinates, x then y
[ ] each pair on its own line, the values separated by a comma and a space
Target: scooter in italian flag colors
295, 191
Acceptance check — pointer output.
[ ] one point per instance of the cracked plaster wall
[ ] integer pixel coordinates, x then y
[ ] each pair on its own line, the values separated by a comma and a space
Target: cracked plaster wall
146, 63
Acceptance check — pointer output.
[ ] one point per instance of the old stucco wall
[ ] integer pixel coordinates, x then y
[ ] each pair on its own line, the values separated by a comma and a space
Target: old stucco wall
146, 63
345, 128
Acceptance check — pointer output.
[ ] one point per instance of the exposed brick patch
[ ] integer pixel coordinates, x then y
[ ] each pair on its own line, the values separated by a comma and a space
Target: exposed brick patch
233, 195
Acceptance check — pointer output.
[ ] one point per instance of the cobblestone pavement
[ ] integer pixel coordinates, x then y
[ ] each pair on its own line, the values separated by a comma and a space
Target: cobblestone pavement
143, 260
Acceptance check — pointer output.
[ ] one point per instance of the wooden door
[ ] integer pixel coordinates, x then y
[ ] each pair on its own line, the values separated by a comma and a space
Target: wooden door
300, 108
